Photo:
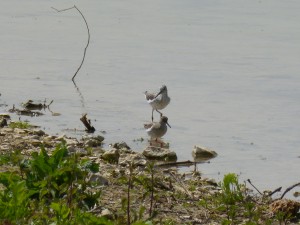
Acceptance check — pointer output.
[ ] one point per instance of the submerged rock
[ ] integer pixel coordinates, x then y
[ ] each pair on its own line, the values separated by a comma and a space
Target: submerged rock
157, 153
203, 154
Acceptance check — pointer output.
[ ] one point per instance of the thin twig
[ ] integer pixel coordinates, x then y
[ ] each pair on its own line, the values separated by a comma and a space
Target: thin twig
288, 189
80, 95
88, 42
273, 192
254, 187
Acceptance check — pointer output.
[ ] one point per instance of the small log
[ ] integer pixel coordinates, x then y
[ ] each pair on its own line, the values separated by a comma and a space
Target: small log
182, 163
87, 123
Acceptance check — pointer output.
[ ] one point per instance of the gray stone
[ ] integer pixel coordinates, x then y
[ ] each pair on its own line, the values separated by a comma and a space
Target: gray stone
19, 131
120, 145
157, 153
71, 141
4, 116
38, 132
111, 156
98, 179
93, 141
7, 130
203, 154
135, 159
107, 214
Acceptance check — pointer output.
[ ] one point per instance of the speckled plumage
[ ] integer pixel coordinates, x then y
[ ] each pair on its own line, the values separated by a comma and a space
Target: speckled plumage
159, 100
157, 129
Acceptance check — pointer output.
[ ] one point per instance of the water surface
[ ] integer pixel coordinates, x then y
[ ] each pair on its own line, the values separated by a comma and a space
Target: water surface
231, 67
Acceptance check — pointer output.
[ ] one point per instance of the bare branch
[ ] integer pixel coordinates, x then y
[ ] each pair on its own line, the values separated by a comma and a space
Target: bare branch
87, 124
249, 181
275, 191
62, 9
288, 189
88, 30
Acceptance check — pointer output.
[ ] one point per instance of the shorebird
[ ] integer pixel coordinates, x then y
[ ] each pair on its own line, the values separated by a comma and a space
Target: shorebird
157, 129
158, 101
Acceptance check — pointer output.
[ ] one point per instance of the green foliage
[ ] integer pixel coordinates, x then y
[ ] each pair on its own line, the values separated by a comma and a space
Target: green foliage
49, 189
19, 124
230, 198
14, 201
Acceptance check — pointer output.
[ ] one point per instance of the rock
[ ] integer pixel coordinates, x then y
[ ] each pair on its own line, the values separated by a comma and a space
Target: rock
135, 159
157, 153
36, 143
203, 154
111, 156
71, 149
93, 141
98, 151
120, 145
38, 132
71, 141
4, 116
75, 150
19, 131
7, 130
107, 214
98, 179
3, 122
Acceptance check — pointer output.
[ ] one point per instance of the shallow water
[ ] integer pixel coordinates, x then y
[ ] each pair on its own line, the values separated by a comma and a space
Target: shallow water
231, 67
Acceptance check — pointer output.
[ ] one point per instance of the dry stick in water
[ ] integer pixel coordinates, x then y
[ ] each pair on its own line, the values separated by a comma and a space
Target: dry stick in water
276, 190
288, 189
87, 123
88, 42
249, 181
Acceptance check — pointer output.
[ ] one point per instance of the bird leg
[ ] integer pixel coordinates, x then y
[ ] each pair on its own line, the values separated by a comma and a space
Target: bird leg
159, 142
159, 113
152, 114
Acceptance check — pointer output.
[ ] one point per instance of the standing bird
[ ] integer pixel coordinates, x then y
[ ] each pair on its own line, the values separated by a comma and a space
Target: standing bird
157, 129
158, 101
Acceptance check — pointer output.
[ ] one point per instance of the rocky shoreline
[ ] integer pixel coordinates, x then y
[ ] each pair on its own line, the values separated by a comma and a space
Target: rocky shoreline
177, 198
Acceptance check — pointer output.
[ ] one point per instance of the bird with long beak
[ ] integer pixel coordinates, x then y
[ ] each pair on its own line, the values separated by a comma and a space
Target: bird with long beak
157, 129
158, 101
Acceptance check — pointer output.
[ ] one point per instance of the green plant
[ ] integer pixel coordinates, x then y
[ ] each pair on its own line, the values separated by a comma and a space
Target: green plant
19, 124
49, 188
14, 200
230, 198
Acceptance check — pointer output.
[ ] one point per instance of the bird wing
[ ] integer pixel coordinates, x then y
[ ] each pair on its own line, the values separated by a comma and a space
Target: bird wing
154, 125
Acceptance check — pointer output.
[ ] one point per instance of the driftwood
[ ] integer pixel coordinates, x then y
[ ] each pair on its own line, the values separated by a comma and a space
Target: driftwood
249, 181
88, 30
30, 105
24, 112
182, 163
87, 123
288, 189
276, 190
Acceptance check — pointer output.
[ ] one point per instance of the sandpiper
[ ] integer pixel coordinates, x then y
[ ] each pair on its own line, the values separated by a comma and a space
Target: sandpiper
158, 101
157, 129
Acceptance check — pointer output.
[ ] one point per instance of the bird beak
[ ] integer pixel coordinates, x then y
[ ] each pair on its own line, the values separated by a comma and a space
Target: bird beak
168, 124
158, 94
